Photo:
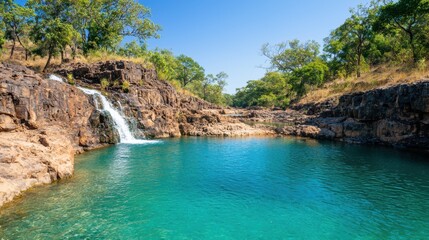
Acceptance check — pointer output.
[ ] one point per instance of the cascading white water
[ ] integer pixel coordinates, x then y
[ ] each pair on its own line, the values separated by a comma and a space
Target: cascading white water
120, 123
55, 78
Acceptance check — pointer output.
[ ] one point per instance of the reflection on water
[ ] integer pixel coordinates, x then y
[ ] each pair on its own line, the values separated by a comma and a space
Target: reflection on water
244, 188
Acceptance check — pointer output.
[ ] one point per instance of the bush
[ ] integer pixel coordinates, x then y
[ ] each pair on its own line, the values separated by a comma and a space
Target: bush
104, 83
70, 79
125, 86
421, 65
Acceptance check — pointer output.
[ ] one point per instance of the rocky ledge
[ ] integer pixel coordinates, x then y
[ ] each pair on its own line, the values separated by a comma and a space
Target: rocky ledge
395, 116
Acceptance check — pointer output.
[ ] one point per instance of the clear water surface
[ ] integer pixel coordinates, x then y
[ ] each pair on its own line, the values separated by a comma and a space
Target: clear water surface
245, 188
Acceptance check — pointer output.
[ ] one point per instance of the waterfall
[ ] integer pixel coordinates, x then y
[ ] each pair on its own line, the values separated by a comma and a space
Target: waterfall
120, 123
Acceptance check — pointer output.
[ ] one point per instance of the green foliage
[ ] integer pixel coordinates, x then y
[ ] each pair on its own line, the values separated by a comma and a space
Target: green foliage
410, 17
104, 83
133, 49
292, 55
211, 88
70, 79
15, 22
348, 45
273, 90
421, 65
50, 32
188, 70
126, 86
108, 21
309, 76
165, 63
2, 39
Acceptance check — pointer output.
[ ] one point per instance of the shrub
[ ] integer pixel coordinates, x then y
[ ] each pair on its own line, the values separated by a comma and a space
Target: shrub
125, 86
421, 65
104, 83
70, 79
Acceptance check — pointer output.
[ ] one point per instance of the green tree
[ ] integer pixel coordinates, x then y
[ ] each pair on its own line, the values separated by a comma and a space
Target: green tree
312, 74
165, 64
353, 38
188, 70
50, 31
15, 19
410, 17
133, 49
291, 55
273, 90
108, 21
212, 87
2, 29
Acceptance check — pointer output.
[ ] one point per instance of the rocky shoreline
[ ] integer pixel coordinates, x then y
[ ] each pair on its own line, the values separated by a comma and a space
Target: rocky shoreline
44, 123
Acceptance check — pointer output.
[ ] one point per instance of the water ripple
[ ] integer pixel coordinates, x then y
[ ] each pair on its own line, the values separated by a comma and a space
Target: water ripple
240, 188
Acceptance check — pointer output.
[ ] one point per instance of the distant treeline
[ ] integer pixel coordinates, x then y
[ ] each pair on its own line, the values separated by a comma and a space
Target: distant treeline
52, 28
382, 32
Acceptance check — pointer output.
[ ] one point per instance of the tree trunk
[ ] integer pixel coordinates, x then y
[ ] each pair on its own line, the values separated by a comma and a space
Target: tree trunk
13, 49
62, 56
73, 48
413, 47
358, 71
48, 62
22, 45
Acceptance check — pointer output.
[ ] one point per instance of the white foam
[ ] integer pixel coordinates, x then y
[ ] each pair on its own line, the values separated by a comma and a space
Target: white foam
55, 78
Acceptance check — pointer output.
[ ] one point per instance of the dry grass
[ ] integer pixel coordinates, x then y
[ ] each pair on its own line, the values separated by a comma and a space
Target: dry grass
106, 56
37, 63
379, 77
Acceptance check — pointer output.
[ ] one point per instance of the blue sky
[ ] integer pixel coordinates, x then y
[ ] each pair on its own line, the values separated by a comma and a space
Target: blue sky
226, 35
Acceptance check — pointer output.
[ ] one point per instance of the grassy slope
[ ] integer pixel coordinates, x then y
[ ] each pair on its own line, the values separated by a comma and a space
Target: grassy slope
378, 77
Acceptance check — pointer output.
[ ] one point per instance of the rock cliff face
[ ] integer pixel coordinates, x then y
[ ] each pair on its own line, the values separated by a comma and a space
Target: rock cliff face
397, 116
42, 124
154, 107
